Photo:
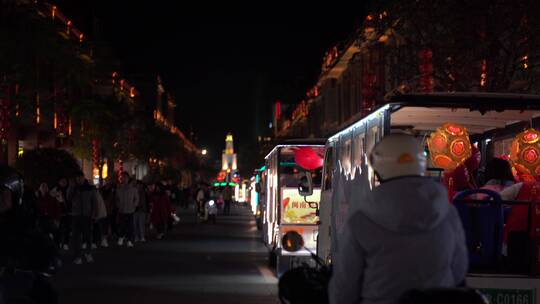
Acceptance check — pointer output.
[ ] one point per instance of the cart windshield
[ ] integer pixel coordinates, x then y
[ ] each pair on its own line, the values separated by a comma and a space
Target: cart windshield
294, 162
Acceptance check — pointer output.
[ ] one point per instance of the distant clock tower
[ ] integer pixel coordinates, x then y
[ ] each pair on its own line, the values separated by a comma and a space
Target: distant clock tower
228, 159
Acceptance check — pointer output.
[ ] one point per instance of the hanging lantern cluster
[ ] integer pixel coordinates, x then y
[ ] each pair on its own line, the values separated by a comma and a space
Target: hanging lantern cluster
4, 120
525, 152
426, 70
69, 25
368, 92
313, 92
301, 111
61, 122
483, 75
330, 58
525, 62
370, 32
120, 170
38, 109
54, 9
95, 152
449, 146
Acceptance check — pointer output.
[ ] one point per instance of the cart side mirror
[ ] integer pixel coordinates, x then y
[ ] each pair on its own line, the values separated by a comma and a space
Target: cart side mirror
292, 241
258, 187
305, 187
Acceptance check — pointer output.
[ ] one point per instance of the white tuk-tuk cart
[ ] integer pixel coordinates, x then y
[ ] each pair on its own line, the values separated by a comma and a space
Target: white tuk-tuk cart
492, 121
284, 208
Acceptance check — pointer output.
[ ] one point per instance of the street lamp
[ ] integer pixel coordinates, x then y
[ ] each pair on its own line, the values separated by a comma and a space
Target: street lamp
204, 152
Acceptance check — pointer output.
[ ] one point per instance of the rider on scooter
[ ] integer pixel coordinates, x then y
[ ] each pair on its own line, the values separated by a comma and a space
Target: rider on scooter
403, 235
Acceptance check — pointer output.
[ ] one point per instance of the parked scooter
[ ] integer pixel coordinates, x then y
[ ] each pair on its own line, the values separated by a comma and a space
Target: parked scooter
304, 284
309, 285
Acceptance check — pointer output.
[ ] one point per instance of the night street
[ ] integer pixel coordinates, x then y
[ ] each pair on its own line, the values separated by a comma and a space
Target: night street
362, 152
197, 263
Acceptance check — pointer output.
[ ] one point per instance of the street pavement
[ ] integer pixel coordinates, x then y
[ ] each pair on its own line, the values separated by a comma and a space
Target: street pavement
197, 263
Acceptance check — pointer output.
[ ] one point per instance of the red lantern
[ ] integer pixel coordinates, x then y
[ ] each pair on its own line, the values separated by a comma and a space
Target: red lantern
368, 92
95, 152
277, 113
450, 147
525, 152
120, 171
425, 54
309, 158
426, 70
457, 180
61, 123
483, 75
69, 25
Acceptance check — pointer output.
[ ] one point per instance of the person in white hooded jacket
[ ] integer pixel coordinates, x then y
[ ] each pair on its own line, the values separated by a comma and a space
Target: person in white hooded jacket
403, 235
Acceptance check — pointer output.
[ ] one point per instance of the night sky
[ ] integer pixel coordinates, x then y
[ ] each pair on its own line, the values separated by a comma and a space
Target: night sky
225, 64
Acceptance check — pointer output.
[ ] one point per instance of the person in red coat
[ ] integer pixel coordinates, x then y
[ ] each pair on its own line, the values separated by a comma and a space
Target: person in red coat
457, 181
49, 211
160, 209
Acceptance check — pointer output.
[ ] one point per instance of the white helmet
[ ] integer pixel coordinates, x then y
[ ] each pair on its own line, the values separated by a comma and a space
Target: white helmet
398, 155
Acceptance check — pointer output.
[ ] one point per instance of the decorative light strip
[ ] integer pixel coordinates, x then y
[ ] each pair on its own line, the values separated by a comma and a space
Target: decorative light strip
289, 146
357, 124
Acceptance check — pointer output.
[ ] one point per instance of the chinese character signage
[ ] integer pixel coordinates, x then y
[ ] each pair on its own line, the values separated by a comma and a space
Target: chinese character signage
295, 210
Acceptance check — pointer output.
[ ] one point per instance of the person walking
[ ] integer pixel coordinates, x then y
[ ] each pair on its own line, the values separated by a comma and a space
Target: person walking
227, 197
100, 223
62, 192
201, 199
108, 192
127, 200
141, 214
84, 204
160, 209
49, 212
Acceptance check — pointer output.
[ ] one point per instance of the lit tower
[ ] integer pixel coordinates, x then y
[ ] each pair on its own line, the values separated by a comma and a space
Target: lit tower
228, 158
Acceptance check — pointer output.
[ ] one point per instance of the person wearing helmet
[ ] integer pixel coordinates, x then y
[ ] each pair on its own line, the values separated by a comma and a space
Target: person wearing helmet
403, 235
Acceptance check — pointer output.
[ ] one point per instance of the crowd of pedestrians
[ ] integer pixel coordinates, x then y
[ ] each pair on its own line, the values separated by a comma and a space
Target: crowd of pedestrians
51, 224
80, 217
